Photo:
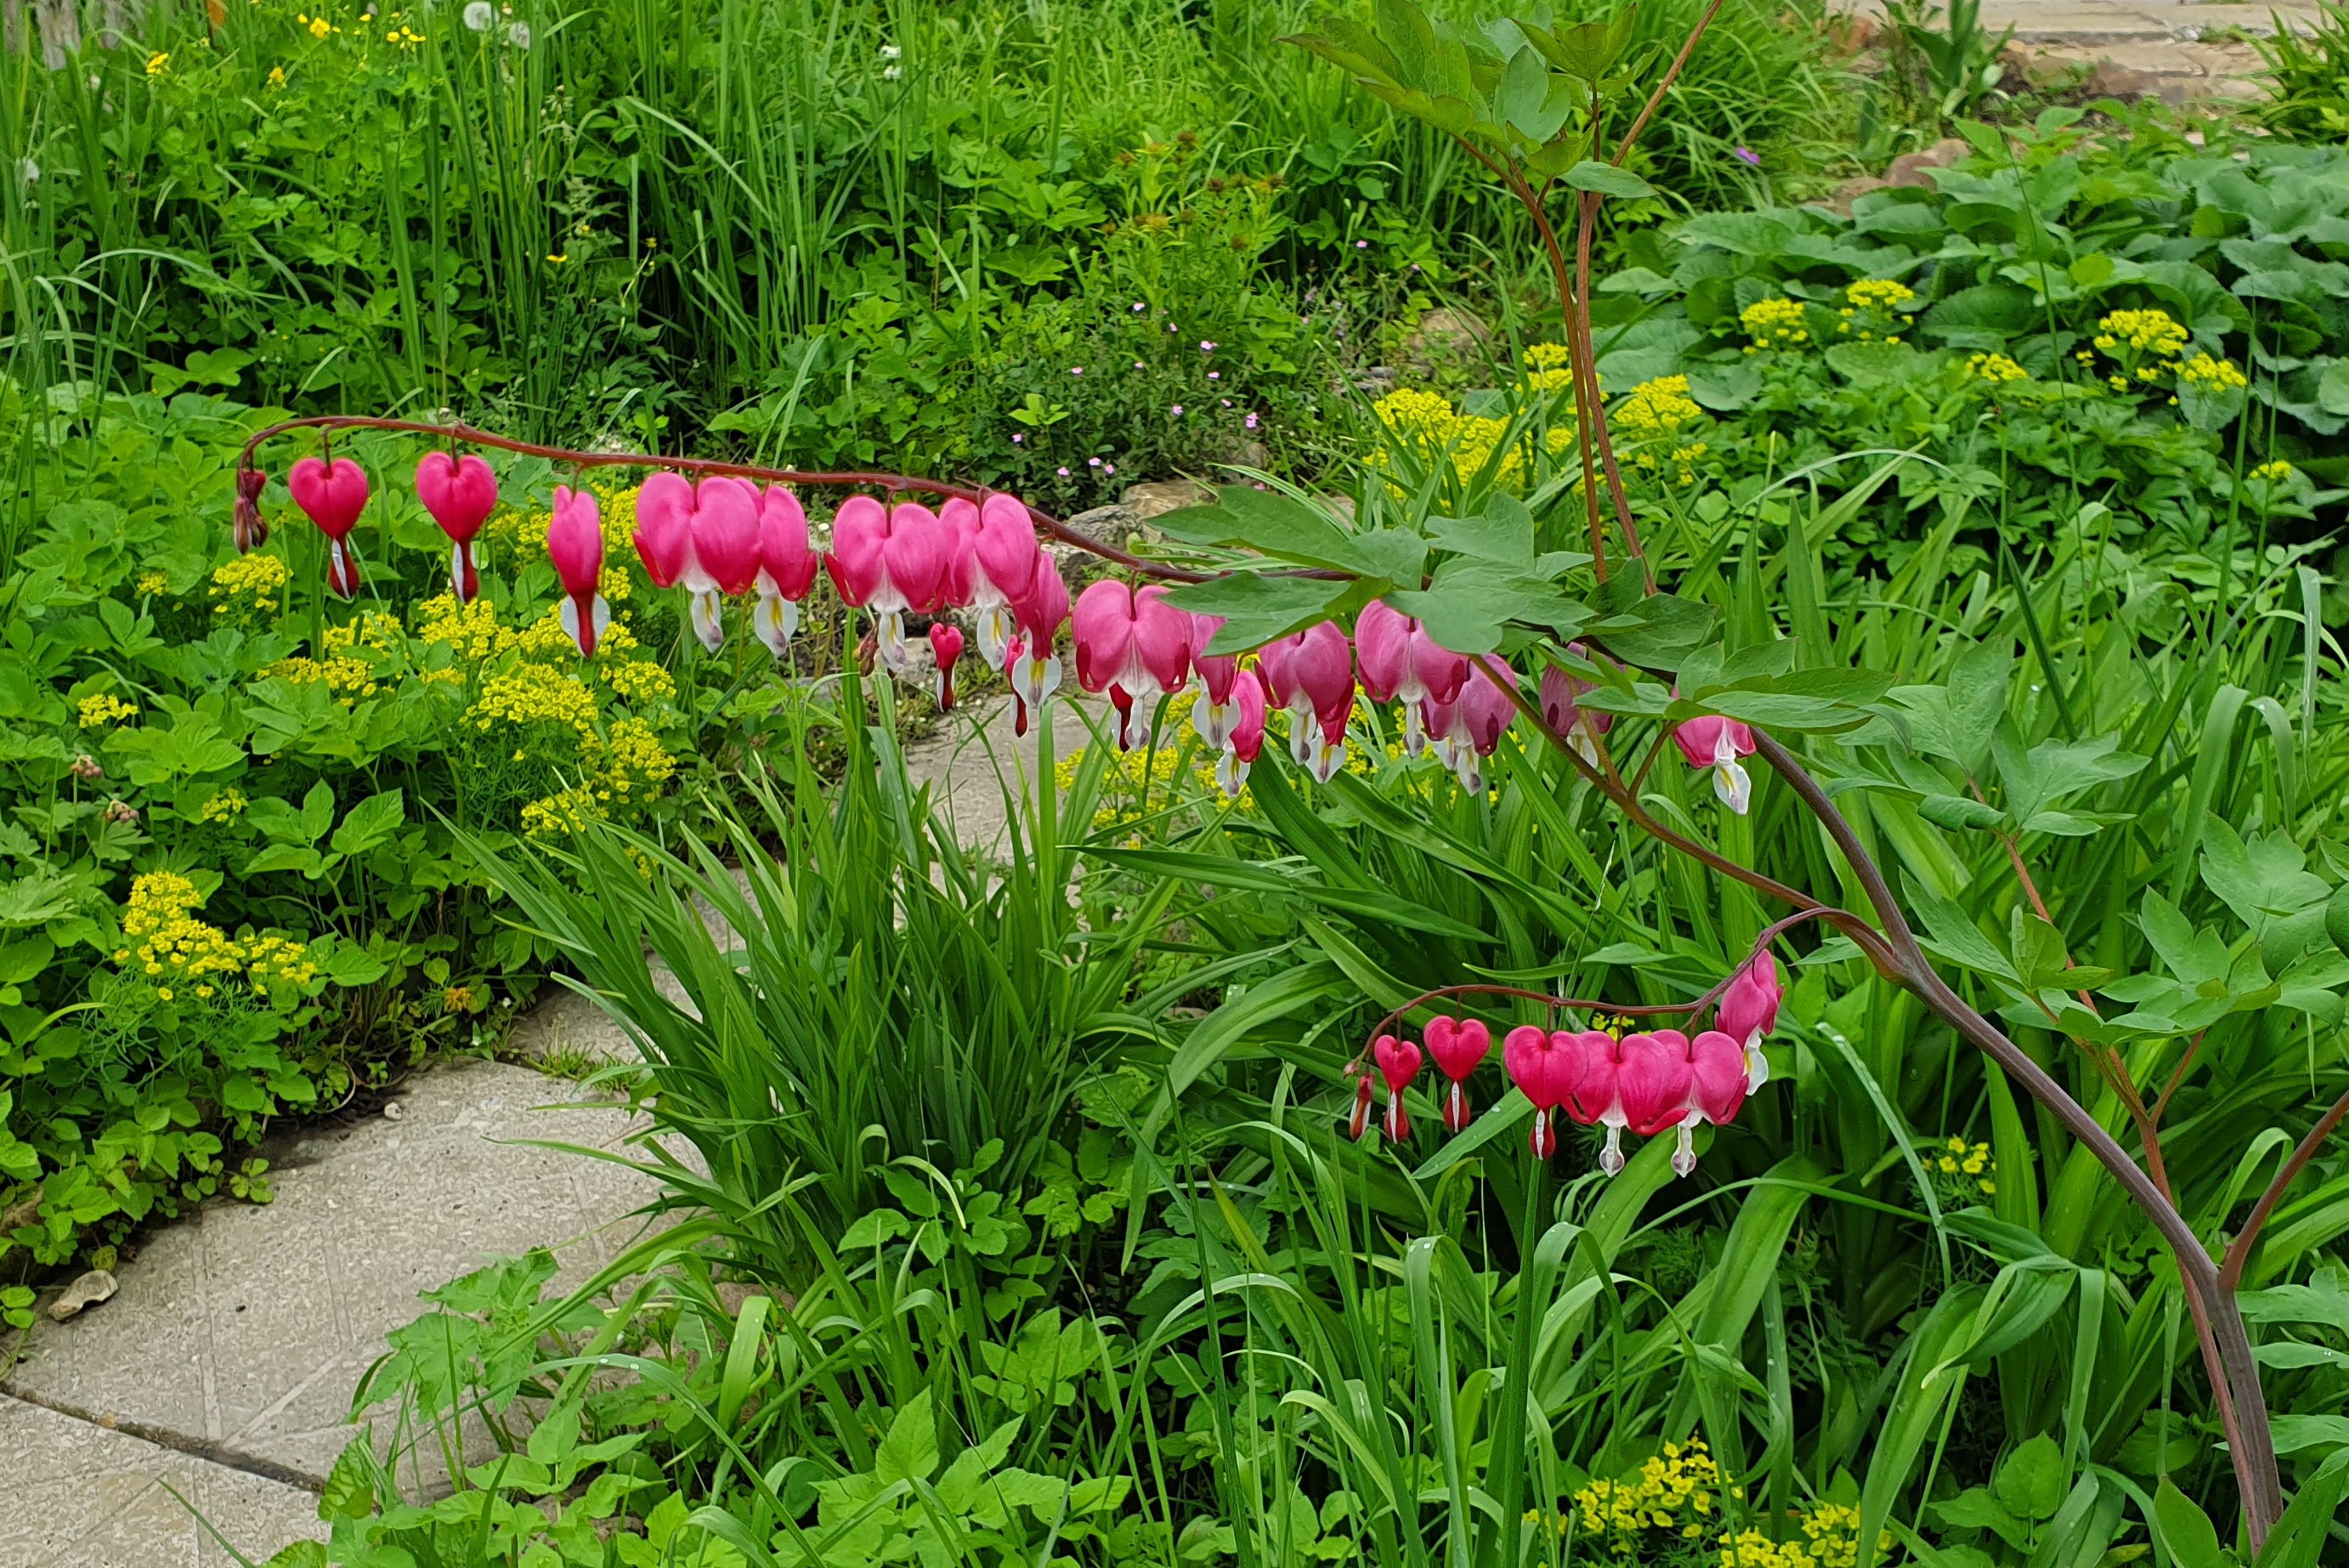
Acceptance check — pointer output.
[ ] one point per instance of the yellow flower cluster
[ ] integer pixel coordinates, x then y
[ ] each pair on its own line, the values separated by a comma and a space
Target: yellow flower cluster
104, 707
349, 679
224, 804
1547, 367
317, 27
1958, 1158
531, 695
2205, 374
150, 584
636, 761
159, 63
1885, 294
1675, 1492
1995, 369
1657, 407
2143, 331
249, 583
2271, 472
1428, 422
475, 631
562, 813
1775, 323
175, 948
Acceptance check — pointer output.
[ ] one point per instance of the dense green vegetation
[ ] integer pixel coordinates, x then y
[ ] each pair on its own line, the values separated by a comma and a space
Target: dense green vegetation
1026, 1224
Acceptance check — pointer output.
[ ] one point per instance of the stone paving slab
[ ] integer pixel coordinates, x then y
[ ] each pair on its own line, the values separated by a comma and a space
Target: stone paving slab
244, 1329
2113, 21
971, 759
74, 1494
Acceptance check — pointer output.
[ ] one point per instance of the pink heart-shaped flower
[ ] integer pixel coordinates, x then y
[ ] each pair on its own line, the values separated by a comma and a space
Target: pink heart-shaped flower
1458, 1045
459, 494
333, 497
1398, 1062
1654, 1077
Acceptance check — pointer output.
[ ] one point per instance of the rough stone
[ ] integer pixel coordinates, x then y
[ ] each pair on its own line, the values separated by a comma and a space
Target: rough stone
83, 1294
1909, 167
78, 1495
1159, 497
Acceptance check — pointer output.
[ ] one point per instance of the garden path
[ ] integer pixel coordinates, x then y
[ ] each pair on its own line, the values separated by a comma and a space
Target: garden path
2176, 49
222, 1370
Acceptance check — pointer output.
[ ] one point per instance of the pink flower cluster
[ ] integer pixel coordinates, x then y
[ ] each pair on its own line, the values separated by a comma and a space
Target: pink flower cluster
1649, 1082
725, 537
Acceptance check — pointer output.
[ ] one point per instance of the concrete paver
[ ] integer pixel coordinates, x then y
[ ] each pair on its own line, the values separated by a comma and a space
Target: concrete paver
77, 1495
244, 1329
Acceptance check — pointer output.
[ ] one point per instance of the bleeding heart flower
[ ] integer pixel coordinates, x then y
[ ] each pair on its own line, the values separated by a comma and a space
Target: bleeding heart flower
1247, 739
1716, 1091
1398, 1064
890, 561
1717, 743
1129, 642
333, 497
725, 558
946, 647
1215, 714
1545, 1065
787, 568
1457, 1045
1029, 664
1313, 678
1596, 1097
1004, 559
1360, 1123
574, 544
1399, 661
1749, 1010
1560, 690
251, 530
663, 534
1652, 1079
1469, 729
459, 494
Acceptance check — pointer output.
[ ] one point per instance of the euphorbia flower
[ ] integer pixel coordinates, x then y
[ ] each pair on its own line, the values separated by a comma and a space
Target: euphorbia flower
333, 497
1716, 1093
1717, 743
1004, 559
1547, 1066
665, 528
1398, 660
459, 494
1129, 642
1749, 1010
787, 568
1398, 1064
1560, 689
1029, 664
1457, 1045
1471, 728
574, 543
889, 560
946, 647
1247, 740
251, 530
1216, 711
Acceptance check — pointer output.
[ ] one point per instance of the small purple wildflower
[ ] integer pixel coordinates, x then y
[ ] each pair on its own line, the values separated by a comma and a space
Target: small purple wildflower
1746, 155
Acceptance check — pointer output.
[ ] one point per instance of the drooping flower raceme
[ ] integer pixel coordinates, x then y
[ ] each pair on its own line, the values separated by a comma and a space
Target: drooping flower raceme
574, 544
332, 495
1717, 743
459, 494
1132, 644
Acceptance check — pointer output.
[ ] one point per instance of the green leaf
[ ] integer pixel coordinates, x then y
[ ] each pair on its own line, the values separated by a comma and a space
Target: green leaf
1273, 524
1606, 180
910, 1451
2031, 1481
1259, 606
1470, 601
2186, 1530
371, 823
